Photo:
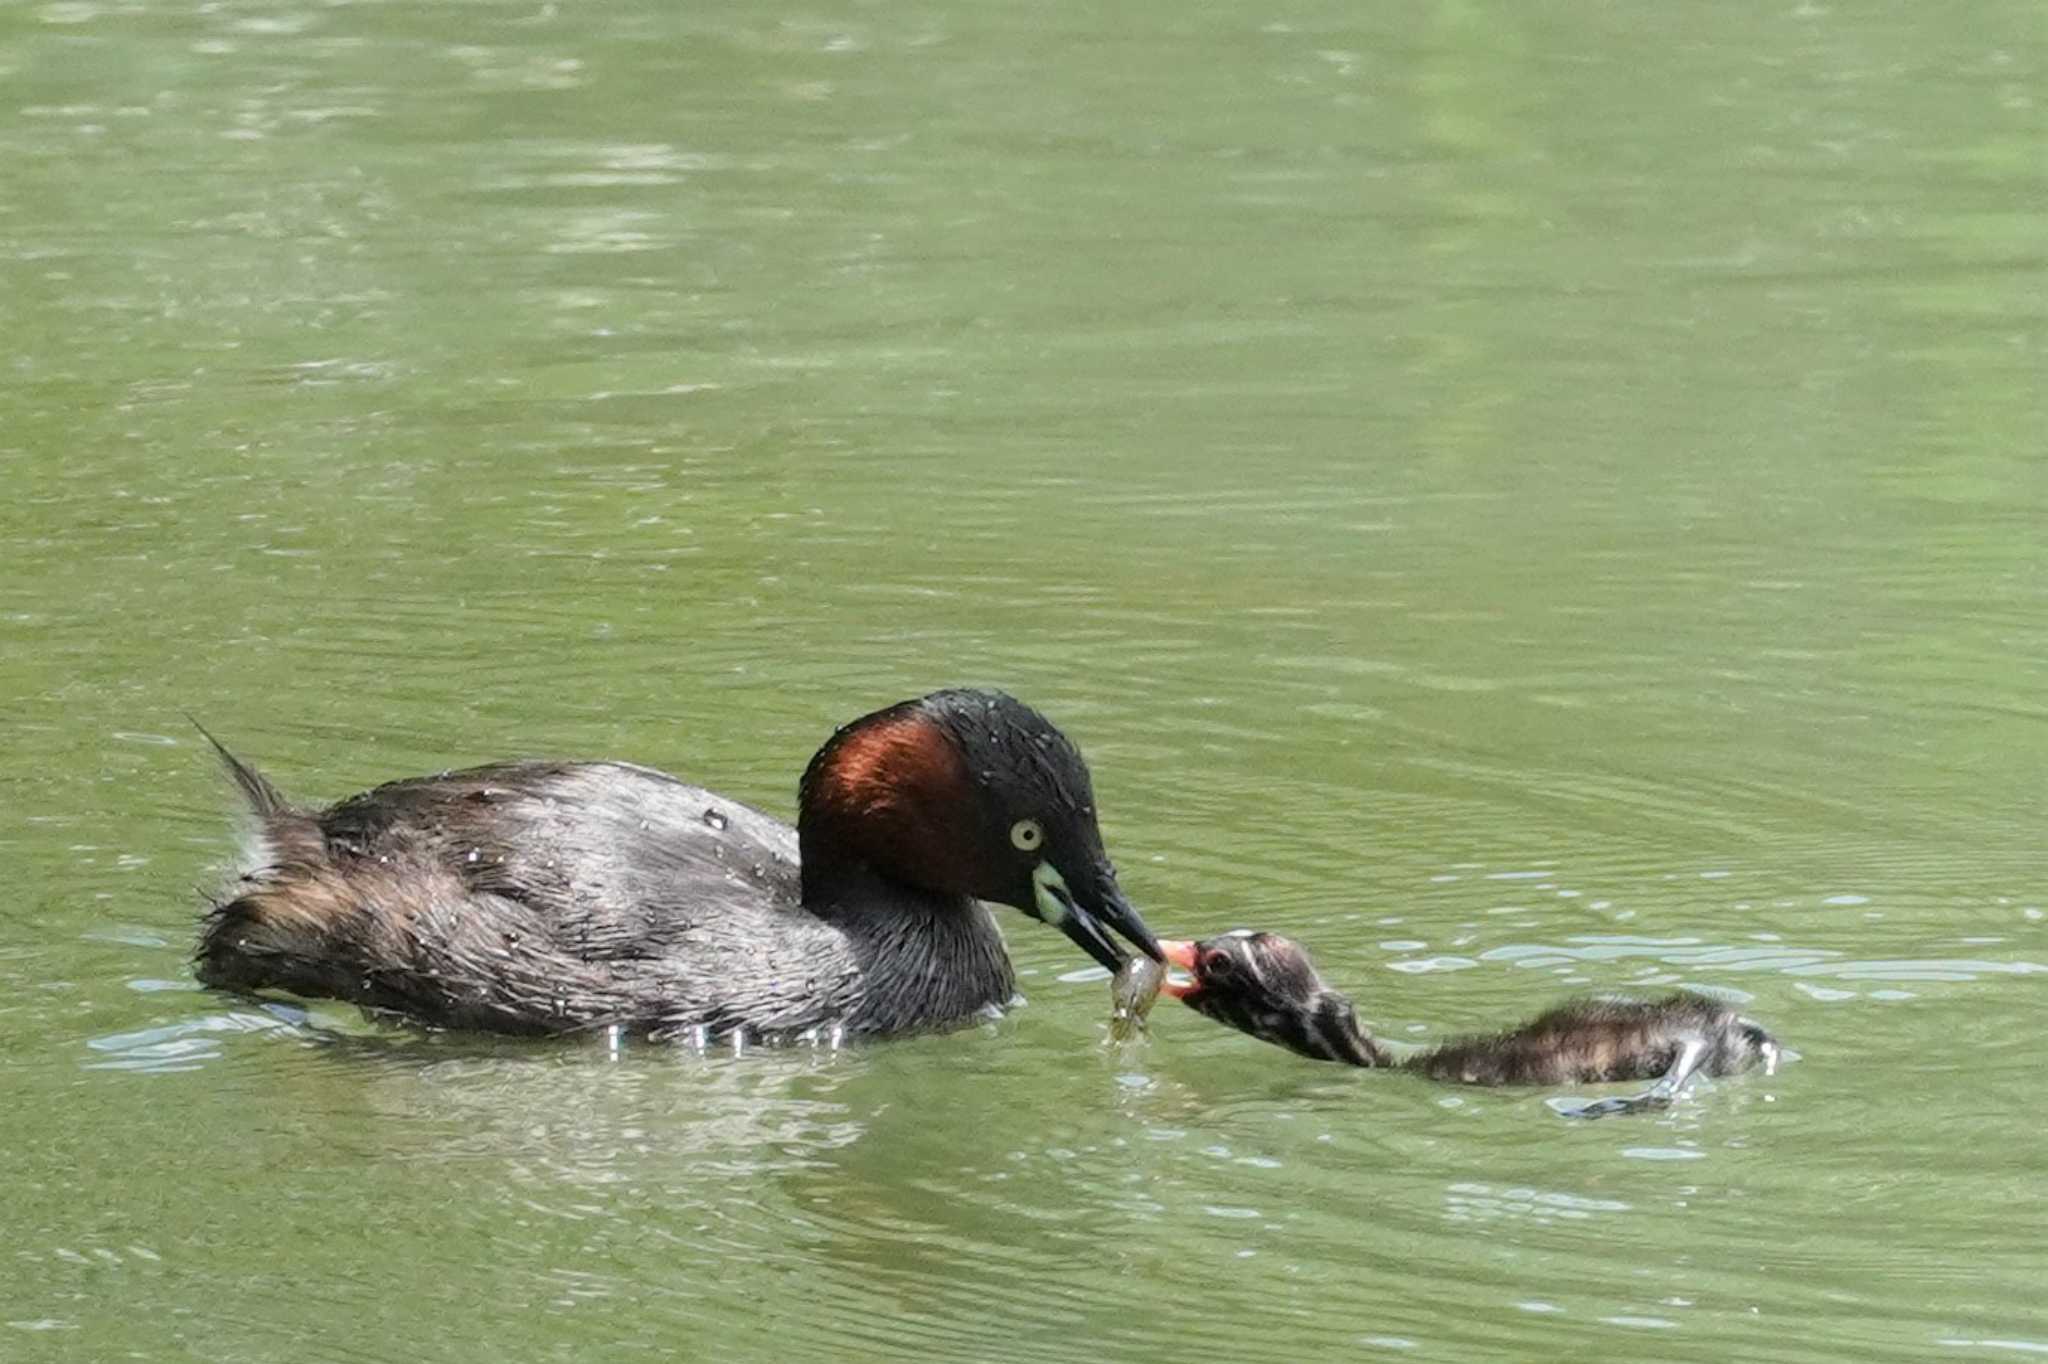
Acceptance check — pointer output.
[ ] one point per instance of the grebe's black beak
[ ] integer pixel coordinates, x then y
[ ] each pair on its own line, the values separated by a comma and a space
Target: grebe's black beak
1086, 912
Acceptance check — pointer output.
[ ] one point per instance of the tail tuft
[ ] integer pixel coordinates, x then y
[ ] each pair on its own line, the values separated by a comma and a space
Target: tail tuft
266, 800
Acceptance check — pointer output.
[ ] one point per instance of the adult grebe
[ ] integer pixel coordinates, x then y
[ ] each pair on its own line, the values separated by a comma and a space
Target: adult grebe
549, 897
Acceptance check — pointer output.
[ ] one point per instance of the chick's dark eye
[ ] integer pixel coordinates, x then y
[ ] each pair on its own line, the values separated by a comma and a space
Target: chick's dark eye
1217, 965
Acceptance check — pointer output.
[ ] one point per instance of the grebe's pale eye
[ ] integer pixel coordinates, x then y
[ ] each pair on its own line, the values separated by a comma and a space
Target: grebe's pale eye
1027, 835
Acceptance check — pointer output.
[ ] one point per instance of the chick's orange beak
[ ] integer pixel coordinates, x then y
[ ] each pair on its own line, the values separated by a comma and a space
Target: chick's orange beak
1175, 952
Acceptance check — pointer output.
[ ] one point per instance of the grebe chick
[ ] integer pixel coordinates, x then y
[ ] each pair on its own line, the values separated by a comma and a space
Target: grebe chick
1265, 985
553, 897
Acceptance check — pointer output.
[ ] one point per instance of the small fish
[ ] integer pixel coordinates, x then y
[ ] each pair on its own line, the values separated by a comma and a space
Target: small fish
1131, 994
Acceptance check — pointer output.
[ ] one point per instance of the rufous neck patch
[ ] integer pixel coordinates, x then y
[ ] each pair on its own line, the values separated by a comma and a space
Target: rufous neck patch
903, 760
896, 794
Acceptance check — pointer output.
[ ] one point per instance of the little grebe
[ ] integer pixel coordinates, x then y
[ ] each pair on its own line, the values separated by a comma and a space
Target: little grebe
551, 897
1265, 985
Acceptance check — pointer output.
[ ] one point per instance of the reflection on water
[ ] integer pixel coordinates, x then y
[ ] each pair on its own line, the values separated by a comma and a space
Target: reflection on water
1782, 958
1483, 1202
188, 1044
